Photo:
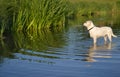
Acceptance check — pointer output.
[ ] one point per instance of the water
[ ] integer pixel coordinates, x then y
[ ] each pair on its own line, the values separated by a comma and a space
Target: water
66, 53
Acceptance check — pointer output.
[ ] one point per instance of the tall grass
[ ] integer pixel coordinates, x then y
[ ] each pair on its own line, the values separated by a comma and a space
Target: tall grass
4, 16
32, 15
39, 14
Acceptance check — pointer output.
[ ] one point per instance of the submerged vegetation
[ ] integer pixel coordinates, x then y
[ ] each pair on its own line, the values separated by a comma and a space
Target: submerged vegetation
33, 15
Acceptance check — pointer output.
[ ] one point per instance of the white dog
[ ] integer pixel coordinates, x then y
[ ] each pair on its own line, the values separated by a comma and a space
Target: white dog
96, 32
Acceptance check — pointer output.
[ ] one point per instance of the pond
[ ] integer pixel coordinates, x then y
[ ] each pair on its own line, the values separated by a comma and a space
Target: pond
63, 53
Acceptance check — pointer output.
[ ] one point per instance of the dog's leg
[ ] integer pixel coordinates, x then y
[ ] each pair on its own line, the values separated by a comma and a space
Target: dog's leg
94, 40
105, 39
110, 37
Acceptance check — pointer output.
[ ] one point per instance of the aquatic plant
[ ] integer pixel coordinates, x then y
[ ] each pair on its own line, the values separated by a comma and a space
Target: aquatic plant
32, 15
3, 17
39, 14
6, 14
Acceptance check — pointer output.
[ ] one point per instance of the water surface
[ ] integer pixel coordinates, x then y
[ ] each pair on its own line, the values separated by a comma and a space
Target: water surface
66, 53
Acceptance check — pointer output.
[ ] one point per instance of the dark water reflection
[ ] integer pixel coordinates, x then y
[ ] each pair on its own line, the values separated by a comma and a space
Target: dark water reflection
18, 46
62, 53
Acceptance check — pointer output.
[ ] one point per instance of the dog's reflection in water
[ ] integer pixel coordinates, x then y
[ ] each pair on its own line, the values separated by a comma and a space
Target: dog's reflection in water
95, 51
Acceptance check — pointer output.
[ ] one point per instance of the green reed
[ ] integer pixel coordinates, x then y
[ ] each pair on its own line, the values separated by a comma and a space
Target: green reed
39, 14
7, 8
3, 17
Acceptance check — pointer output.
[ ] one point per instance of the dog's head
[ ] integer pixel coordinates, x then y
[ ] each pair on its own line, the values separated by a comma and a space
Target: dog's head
88, 23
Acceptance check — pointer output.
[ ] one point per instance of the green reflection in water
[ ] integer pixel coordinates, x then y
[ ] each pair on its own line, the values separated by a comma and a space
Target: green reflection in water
20, 45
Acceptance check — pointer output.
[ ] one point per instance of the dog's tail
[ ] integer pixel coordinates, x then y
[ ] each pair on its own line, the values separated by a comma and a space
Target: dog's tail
114, 35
